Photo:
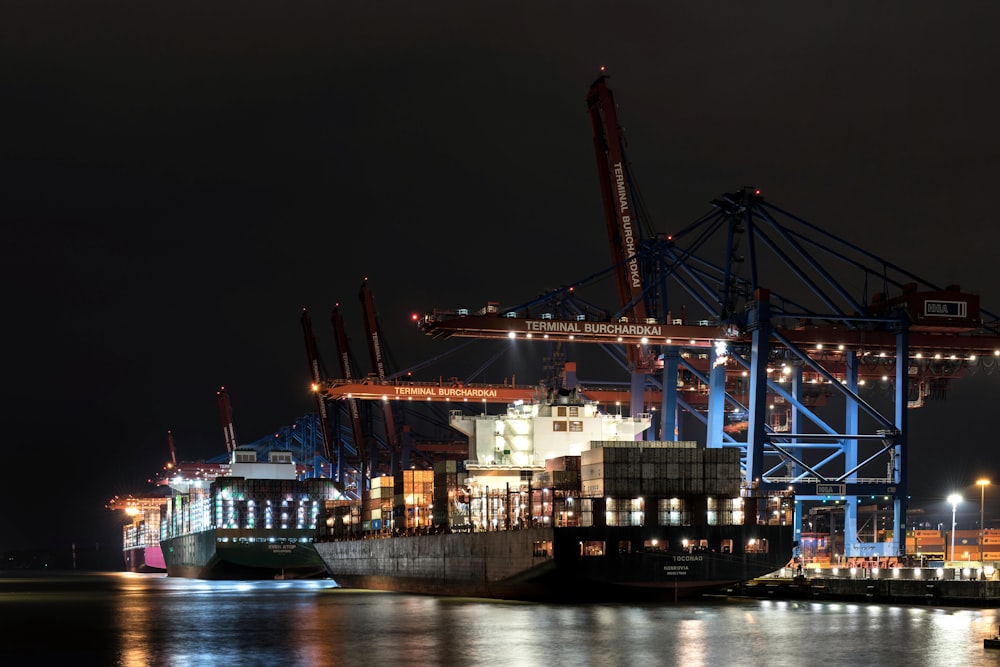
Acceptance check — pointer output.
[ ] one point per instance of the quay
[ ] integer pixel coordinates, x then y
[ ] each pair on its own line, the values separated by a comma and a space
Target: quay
945, 586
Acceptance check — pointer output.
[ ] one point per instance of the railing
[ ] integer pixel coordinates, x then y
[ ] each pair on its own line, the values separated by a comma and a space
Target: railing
817, 480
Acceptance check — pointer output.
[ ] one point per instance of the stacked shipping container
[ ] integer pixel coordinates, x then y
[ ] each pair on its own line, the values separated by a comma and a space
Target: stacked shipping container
376, 507
414, 497
658, 468
451, 496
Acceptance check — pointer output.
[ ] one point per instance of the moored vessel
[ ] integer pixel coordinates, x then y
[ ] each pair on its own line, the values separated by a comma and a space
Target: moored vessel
141, 535
558, 501
256, 521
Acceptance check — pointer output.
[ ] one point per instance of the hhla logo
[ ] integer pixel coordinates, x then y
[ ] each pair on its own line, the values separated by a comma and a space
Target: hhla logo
945, 308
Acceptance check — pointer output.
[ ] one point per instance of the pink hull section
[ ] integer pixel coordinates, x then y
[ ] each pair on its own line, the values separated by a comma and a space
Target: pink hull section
154, 558
144, 559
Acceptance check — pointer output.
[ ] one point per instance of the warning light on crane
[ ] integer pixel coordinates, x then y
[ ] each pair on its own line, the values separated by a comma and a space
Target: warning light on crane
721, 352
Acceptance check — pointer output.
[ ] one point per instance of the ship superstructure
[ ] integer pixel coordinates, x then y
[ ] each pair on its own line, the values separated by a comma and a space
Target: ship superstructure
531, 432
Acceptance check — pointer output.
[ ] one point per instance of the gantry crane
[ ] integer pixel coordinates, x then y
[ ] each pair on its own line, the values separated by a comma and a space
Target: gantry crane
377, 455
793, 358
778, 319
759, 325
333, 448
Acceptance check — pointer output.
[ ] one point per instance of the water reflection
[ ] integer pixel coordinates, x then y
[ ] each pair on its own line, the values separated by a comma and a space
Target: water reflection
164, 620
134, 620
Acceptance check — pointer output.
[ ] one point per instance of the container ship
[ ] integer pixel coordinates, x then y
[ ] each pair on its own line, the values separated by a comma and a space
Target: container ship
255, 520
141, 535
558, 501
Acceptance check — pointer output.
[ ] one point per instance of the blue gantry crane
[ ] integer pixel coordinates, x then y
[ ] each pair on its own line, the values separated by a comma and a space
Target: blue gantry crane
800, 348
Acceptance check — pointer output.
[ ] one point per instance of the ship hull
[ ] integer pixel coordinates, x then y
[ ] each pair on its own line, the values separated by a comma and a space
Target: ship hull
545, 564
218, 554
144, 559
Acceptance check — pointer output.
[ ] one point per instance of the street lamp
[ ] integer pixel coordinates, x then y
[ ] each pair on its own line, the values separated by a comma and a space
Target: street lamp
954, 499
982, 483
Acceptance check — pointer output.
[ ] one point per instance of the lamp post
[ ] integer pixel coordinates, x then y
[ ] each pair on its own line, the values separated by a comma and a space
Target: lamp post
982, 483
954, 499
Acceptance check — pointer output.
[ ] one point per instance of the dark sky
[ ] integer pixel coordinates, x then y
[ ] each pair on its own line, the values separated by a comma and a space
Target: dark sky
179, 181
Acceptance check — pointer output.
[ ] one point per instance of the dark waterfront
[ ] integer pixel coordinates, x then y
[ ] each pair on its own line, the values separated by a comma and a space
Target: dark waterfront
126, 619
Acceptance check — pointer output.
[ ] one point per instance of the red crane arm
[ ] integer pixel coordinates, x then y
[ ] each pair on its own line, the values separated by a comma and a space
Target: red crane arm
619, 212
377, 356
344, 356
312, 353
173, 450
226, 417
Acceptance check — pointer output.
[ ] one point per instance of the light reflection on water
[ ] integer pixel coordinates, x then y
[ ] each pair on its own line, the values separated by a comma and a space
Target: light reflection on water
132, 620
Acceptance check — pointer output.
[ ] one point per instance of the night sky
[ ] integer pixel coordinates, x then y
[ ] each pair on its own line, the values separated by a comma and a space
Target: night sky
180, 180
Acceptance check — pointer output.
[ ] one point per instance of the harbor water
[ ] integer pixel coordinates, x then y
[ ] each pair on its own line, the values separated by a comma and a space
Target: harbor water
133, 620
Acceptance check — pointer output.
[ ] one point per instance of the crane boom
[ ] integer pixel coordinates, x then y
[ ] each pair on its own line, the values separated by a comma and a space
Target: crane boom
344, 357
619, 210
377, 356
226, 417
462, 393
312, 354
819, 339
372, 331
173, 450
